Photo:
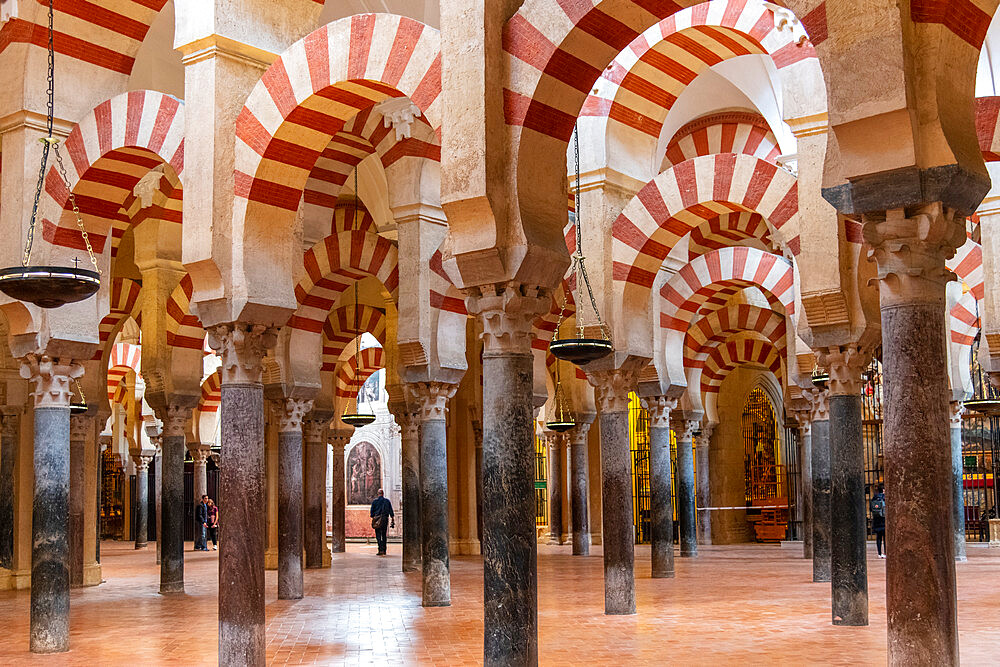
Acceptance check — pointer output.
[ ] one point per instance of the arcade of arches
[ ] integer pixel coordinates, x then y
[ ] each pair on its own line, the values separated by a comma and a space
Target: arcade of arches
301, 209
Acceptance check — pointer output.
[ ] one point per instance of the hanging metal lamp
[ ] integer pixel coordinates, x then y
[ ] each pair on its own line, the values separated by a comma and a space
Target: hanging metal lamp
581, 348
820, 378
562, 419
355, 417
51, 286
78, 407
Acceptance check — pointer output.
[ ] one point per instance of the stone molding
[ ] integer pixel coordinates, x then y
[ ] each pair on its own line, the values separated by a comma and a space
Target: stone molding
430, 398
175, 420
80, 426
507, 312
611, 388
845, 363
313, 430
50, 379
659, 409
684, 428
242, 347
955, 412
291, 412
399, 114
910, 252
819, 402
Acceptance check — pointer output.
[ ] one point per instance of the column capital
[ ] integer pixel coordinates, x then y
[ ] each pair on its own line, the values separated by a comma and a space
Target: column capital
910, 249
141, 462
409, 424
314, 429
845, 363
80, 427
340, 439
819, 404
659, 409
684, 428
578, 436
50, 379
612, 387
175, 419
803, 419
507, 312
703, 437
430, 398
242, 347
291, 412
955, 412
200, 455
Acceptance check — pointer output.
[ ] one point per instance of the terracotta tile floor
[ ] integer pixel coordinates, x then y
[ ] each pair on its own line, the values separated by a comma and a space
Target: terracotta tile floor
733, 605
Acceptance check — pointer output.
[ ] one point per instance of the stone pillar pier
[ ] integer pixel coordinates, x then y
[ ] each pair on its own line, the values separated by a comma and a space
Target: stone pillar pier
510, 592
338, 503
10, 438
199, 456
554, 442
820, 419
49, 620
241, 561
141, 499
910, 248
431, 401
661, 504
611, 392
175, 419
409, 423
580, 488
957, 469
80, 426
686, 501
314, 428
848, 531
290, 497
703, 485
802, 417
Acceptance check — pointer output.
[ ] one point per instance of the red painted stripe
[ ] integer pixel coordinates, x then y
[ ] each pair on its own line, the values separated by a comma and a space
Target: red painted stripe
250, 131
362, 29
102, 114
787, 207
317, 47
165, 117
763, 174
687, 182
961, 17
133, 116
403, 43
815, 24
725, 165
279, 87
429, 87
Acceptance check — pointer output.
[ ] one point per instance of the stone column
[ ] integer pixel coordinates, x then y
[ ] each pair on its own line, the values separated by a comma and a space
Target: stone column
141, 499
241, 562
510, 592
661, 504
554, 442
820, 418
409, 423
921, 601
957, 469
338, 504
686, 502
10, 438
314, 428
49, 620
703, 485
175, 419
199, 456
158, 492
431, 401
79, 427
611, 392
805, 477
579, 478
848, 532
290, 497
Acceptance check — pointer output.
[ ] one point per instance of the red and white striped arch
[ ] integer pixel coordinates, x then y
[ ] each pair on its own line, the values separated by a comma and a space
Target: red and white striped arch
738, 351
730, 229
184, 329
124, 304
312, 90
968, 266
964, 320
987, 128
682, 198
731, 132
124, 357
107, 153
344, 219
355, 370
716, 327
211, 393
444, 296
339, 331
333, 265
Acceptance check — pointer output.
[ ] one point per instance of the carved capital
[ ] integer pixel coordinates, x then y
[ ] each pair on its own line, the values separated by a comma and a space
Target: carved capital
80, 426
339, 440
578, 436
659, 409
200, 455
430, 398
611, 388
803, 419
242, 346
409, 425
684, 428
819, 403
50, 379
846, 363
910, 251
399, 114
507, 313
291, 412
703, 437
175, 419
313, 430
141, 462
955, 412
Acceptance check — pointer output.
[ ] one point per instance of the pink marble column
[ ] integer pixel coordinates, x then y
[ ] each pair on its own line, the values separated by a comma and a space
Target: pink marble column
314, 487
338, 502
290, 417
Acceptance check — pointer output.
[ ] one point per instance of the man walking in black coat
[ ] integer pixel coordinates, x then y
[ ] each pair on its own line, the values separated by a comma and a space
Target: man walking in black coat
200, 524
382, 520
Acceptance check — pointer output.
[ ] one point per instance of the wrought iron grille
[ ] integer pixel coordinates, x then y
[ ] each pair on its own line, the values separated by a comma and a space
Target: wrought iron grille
638, 438
793, 482
766, 487
980, 446
872, 431
112, 515
541, 489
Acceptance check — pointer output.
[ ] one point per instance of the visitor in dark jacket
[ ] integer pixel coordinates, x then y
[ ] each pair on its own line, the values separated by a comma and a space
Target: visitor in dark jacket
382, 520
877, 508
201, 524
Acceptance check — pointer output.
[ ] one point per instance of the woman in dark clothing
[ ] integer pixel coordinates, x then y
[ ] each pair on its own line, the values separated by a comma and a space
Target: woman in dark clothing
213, 525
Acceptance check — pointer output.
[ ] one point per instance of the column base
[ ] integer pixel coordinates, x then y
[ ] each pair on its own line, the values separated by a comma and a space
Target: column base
92, 574
327, 557
271, 558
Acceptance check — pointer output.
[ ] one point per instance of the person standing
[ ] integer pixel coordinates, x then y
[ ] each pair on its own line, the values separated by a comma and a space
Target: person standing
381, 515
201, 525
877, 508
213, 525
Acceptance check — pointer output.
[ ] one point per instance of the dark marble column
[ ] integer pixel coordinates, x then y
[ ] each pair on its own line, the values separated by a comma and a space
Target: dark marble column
199, 458
314, 490
805, 479
821, 484
338, 501
175, 419
686, 502
957, 469
79, 425
510, 590
703, 482
290, 497
409, 423
921, 601
848, 523
431, 399
141, 509
49, 620
611, 392
554, 485
661, 504
242, 497
579, 479
9, 444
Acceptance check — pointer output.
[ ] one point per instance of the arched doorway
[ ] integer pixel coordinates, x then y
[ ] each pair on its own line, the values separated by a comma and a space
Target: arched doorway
766, 499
